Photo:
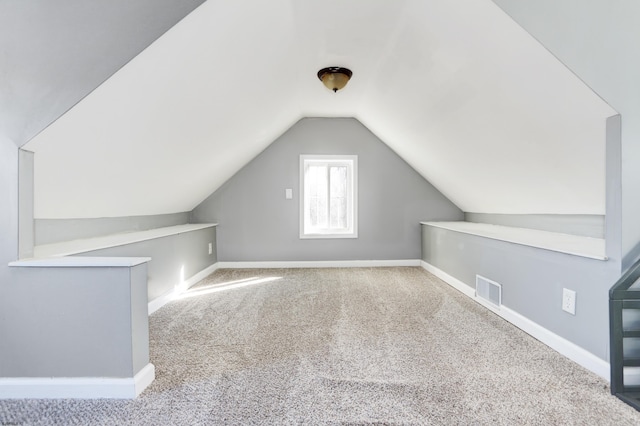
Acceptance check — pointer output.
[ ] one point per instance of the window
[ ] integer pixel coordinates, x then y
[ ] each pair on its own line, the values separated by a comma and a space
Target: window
328, 204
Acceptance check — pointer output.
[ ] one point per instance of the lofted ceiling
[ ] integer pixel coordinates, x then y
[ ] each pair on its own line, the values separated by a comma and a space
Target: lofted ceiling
52, 53
456, 88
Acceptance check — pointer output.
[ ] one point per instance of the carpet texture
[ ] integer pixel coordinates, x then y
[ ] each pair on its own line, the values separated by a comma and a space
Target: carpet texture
341, 346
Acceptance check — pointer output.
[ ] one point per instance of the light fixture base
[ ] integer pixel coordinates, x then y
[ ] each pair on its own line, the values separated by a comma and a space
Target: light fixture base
335, 78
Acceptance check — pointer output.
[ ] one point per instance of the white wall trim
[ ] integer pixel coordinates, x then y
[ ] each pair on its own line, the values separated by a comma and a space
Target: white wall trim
569, 349
319, 264
160, 301
452, 281
83, 245
77, 387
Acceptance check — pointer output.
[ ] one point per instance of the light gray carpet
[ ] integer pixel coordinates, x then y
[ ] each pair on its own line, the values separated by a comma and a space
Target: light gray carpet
341, 346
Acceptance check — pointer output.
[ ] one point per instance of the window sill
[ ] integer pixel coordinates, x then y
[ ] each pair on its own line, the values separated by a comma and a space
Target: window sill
327, 236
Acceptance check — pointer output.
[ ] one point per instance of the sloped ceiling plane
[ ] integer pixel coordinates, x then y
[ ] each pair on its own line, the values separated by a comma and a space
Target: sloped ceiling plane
466, 96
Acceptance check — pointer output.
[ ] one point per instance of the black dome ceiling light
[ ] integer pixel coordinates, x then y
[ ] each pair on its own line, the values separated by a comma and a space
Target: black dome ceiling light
334, 78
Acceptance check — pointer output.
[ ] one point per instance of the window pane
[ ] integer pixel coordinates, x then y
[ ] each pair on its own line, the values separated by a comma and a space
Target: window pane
328, 203
318, 193
338, 181
338, 202
338, 213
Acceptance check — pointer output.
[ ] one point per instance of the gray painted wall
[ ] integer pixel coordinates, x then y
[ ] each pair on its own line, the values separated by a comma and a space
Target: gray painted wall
9, 159
26, 234
8, 249
613, 218
574, 224
75, 322
60, 51
257, 223
49, 231
173, 258
598, 40
139, 317
532, 281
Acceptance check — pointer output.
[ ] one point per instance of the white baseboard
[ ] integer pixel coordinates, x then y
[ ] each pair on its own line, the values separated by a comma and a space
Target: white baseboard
572, 351
159, 302
77, 387
319, 264
452, 281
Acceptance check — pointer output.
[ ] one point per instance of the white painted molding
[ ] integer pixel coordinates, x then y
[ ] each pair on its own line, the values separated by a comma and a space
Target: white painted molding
319, 264
452, 281
77, 387
575, 245
160, 301
563, 346
69, 248
144, 378
201, 275
80, 262
559, 344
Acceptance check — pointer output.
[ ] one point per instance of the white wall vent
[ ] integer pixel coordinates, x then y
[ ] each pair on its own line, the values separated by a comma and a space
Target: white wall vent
489, 291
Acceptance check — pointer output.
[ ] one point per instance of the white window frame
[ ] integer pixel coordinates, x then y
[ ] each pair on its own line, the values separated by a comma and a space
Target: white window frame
351, 161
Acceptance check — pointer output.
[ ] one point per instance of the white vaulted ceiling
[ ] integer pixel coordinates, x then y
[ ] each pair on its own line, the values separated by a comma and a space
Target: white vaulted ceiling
456, 88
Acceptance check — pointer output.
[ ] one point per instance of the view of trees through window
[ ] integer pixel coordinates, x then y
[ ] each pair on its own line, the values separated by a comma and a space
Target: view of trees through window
328, 195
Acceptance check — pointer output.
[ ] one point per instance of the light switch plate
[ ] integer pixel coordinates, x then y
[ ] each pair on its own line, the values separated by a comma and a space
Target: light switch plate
288, 193
569, 301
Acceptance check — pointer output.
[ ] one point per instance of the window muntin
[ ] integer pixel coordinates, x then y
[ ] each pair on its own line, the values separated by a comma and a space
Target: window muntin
328, 207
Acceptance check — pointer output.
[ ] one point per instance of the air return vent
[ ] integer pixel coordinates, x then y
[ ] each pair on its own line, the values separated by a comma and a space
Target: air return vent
489, 291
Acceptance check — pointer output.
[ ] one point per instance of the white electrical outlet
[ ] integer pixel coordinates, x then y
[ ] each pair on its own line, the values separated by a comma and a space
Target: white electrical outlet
210, 248
569, 301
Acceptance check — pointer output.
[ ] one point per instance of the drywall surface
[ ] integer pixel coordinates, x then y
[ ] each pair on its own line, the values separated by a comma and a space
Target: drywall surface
573, 224
481, 110
139, 318
174, 258
613, 218
60, 51
257, 223
532, 281
73, 322
8, 245
598, 41
26, 236
9, 160
48, 231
